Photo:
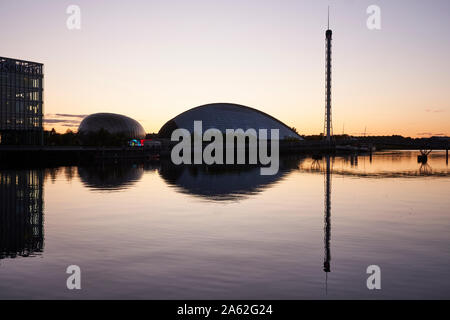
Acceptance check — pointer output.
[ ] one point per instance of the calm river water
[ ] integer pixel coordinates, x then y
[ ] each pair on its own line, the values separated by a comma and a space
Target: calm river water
154, 231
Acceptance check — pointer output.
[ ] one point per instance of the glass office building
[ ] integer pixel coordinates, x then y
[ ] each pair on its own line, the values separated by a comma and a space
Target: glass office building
21, 102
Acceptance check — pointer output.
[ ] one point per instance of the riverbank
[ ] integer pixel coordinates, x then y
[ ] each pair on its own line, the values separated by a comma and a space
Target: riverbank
83, 154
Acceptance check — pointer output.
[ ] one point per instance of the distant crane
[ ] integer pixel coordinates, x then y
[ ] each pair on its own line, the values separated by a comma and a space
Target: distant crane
423, 157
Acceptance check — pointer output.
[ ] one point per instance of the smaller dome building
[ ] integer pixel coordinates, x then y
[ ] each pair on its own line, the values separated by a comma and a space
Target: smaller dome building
113, 123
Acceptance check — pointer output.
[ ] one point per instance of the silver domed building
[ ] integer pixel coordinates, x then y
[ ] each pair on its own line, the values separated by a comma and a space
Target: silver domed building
113, 123
224, 116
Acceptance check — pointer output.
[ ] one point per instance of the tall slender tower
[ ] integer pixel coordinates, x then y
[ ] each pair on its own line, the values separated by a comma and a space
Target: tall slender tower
328, 128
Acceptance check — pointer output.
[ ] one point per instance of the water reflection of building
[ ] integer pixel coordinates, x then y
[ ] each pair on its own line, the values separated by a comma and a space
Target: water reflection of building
217, 182
223, 182
21, 213
425, 169
110, 176
389, 164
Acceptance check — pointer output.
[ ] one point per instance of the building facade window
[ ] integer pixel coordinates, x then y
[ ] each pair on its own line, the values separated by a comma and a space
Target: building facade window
21, 101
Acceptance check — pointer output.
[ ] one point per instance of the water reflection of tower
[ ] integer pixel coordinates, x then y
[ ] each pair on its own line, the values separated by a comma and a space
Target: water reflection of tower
21, 213
327, 216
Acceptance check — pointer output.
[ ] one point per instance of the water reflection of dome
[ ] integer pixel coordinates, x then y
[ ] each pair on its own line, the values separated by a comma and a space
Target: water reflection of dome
110, 177
220, 183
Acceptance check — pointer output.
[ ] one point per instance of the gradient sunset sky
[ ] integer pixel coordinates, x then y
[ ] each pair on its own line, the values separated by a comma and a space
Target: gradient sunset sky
152, 60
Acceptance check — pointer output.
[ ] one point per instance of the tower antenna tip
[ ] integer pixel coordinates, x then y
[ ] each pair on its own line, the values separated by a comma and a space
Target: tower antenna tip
328, 18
